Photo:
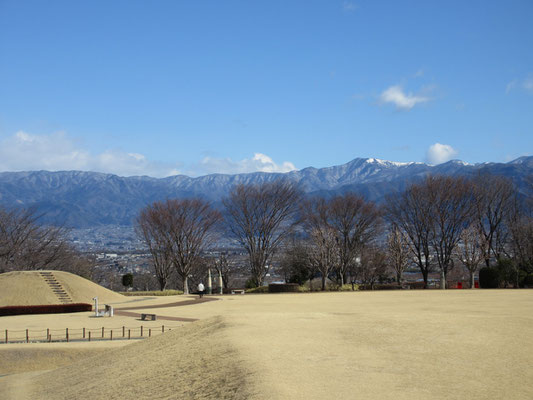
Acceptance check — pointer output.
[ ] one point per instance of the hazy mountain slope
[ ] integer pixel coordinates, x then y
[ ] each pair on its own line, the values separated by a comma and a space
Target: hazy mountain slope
81, 199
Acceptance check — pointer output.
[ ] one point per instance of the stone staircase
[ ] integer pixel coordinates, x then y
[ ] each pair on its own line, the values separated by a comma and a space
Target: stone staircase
56, 287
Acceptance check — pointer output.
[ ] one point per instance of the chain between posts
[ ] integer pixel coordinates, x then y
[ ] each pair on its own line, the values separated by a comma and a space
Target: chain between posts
76, 334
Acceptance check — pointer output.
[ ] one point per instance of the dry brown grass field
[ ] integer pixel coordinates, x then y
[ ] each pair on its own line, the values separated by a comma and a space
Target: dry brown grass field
455, 344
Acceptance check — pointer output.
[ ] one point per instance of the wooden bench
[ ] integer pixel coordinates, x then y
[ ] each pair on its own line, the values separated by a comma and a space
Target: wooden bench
237, 291
151, 316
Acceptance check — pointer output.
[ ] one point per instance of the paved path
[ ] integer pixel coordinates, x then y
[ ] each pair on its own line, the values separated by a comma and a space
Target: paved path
126, 313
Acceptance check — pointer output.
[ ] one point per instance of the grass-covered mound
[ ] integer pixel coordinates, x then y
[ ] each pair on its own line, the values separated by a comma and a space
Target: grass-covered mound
193, 362
26, 288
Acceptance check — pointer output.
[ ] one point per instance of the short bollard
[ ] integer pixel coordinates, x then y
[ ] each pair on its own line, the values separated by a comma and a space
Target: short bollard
89, 336
102, 332
123, 331
47, 333
6, 335
84, 333
162, 328
27, 336
150, 332
49, 338
141, 331
66, 334
129, 333
111, 335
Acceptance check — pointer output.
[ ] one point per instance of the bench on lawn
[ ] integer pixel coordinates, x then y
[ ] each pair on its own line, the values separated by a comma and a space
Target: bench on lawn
237, 291
144, 317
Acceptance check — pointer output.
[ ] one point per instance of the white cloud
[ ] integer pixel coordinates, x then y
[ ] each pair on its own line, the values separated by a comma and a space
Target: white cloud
348, 6
26, 152
56, 152
510, 86
526, 84
440, 153
402, 101
259, 162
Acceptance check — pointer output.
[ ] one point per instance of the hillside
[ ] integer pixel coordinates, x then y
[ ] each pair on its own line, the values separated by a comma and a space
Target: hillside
193, 362
29, 288
84, 199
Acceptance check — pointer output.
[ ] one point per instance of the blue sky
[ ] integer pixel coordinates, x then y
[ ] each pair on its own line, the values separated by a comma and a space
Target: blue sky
165, 87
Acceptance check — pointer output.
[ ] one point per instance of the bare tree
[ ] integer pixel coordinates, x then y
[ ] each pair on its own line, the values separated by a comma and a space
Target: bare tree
494, 202
451, 210
186, 227
27, 245
322, 249
260, 217
16, 227
471, 251
520, 225
398, 252
226, 266
410, 212
149, 228
373, 266
354, 223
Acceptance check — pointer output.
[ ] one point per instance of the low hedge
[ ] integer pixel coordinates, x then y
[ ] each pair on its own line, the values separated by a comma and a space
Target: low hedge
381, 286
45, 309
259, 289
283, 288
169, 292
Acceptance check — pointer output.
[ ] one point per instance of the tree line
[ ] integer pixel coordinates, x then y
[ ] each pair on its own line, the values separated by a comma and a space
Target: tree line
435, 225
26, 244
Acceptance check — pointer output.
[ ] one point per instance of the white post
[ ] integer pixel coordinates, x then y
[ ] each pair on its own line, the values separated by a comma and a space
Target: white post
209, 284
96, 314
220, 283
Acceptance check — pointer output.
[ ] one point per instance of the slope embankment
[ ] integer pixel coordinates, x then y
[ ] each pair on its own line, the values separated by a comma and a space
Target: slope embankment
193, 362
25, 288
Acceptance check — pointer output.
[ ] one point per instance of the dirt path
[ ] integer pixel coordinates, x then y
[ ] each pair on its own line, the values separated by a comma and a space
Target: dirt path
122, 311
175, 304
162, 317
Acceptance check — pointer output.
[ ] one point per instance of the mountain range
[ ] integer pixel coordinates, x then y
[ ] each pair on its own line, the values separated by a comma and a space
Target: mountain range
83, 199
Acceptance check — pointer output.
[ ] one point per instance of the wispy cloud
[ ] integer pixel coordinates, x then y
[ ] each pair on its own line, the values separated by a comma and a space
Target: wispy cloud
419, 73
439, 153
528, 84
403, 101
56, 152
259, 162
510, 86
349, 6
525, 84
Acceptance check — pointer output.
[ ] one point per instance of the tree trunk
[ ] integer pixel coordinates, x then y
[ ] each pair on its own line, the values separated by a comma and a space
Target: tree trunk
399, 278
442, 279
162, 284
323, 282
472, 279
186, 285
425, 276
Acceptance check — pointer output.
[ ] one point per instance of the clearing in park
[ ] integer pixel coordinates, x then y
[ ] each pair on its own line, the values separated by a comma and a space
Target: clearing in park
456, 344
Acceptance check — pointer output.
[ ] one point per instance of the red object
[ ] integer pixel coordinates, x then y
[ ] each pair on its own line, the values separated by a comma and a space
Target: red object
476, 284
459, 285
